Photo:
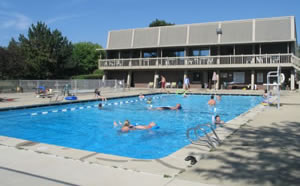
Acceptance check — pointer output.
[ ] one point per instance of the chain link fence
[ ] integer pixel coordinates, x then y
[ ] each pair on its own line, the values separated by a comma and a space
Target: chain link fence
75, 86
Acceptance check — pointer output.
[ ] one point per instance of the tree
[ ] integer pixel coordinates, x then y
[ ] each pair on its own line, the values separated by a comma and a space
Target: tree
85, 57
11, 61
45, 52
4, 56
16, 61
158, 22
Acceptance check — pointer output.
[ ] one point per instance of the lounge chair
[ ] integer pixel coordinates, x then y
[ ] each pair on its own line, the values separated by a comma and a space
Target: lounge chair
168, 85
150, 85
174, 85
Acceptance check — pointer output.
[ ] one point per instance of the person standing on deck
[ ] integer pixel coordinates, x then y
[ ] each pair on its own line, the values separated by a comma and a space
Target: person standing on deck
186, 83
163, 82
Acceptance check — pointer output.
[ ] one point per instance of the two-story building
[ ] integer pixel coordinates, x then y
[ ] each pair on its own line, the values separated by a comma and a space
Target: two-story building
240, 53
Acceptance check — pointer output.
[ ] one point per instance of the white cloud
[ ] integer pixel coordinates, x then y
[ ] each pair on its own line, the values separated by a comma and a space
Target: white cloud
61, 18
14, 20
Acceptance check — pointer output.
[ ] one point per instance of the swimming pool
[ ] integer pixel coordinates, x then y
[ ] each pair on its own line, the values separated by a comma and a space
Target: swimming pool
84, 126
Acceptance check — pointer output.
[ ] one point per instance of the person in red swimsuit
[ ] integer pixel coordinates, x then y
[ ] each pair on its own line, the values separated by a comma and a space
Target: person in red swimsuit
163, 82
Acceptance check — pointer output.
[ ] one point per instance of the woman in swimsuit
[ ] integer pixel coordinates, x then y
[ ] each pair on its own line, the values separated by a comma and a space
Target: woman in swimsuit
126, 127
177, 107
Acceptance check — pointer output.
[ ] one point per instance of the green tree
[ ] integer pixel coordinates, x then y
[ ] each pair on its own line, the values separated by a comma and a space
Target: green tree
4, 57
46, 52
11, 61
158, 22
85, 57
16, 61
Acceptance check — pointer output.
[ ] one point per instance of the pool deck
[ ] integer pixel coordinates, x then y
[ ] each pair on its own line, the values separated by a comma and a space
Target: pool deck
259, 148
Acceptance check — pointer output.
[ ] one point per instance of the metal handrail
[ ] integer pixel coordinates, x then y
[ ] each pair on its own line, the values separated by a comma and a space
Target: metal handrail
211, 141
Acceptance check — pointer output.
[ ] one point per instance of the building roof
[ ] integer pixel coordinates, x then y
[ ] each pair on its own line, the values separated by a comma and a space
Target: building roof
276, 29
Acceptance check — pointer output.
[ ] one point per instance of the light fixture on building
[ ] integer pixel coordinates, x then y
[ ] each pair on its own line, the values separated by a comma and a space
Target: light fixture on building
219, 31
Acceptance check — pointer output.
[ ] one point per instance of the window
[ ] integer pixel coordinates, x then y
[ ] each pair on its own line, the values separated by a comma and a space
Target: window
200, 52
196, 76
173, 53
149, 54
260, 77
223, 75
239, 77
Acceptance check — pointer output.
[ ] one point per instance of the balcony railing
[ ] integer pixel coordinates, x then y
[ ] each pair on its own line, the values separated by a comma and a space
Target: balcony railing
197, 61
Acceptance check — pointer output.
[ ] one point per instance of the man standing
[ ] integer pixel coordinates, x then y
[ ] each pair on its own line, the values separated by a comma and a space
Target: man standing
163, 82
186, 83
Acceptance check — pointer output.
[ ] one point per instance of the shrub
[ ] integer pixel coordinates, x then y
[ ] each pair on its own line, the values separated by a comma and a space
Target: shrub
88, 76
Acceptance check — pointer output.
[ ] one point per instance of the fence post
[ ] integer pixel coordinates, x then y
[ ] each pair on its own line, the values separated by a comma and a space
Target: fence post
56, 85
75, 86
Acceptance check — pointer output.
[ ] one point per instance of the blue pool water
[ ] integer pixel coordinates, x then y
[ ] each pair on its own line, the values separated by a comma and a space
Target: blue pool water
84, 126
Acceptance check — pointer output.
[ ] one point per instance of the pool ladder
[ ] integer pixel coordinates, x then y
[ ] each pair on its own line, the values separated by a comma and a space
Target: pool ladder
210, 139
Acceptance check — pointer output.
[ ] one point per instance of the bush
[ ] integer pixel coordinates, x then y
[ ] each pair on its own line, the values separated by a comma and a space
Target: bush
88, 76
99, 72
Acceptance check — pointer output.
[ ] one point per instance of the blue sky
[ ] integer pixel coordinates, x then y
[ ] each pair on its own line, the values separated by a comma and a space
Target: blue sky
90, 20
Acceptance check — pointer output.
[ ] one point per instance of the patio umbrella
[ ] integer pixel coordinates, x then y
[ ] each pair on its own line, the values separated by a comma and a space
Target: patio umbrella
214, 78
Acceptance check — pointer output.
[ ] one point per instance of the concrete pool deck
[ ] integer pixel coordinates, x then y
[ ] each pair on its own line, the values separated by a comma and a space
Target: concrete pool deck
41, 164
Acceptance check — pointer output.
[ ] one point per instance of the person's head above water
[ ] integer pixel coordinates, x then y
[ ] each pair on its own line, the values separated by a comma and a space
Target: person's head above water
100, 105
126, 123
212, 97
178, 106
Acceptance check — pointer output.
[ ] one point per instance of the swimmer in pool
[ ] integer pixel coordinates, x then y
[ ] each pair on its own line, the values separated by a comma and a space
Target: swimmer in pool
218, 120
211, 102
100, 106
177, 107
141, 96
149, 100
126, 126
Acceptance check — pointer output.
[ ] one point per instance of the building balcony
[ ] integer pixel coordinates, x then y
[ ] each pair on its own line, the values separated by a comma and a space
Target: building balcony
201, 62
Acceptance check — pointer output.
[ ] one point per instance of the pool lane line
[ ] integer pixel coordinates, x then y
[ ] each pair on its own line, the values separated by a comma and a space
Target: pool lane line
88, 107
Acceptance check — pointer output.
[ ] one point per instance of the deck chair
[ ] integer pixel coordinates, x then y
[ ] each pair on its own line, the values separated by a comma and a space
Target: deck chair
173, 85
150, 85
168, 85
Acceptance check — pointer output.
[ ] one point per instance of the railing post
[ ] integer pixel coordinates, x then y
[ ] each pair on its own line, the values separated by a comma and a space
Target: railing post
242, 59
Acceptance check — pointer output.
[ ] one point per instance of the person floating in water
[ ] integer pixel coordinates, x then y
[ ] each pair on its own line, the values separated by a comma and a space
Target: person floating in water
177, 107
211, 102
126, 126
218, 120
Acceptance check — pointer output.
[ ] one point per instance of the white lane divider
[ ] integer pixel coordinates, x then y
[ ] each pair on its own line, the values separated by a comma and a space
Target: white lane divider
88, 107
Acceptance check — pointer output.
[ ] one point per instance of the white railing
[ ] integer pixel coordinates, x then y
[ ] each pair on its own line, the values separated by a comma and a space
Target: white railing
198, 60
296, 62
